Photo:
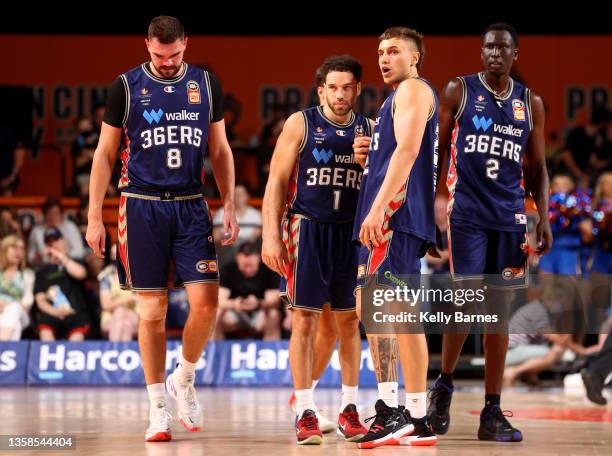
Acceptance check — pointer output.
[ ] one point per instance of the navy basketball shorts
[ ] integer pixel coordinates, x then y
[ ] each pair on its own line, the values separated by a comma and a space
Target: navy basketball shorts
475, 251
153, 232
322, 265
399, 254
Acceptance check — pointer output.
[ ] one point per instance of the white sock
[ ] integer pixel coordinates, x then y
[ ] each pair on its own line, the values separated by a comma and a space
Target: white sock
314, 384
304, 401
157, 395
387, 391
185, 371
349, 396
416, 404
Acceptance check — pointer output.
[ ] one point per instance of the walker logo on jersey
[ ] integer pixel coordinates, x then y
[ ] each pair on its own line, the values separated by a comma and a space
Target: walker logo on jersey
341, 132
169, 89
153, 116
509, 130
193, 92
481, 122
322, 156
519, 109
205, 266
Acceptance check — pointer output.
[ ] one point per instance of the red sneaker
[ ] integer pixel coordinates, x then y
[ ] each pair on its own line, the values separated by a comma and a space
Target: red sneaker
307, 429
349, 425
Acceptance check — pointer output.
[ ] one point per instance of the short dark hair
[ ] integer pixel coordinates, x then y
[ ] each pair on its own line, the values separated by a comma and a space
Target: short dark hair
502, 27
406, 33
52, 201
249, 248
166, 29
342, 63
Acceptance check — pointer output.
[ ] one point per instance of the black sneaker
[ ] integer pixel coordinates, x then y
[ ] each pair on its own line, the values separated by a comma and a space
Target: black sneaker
594, 387
494, 426
390, 425
422, 434
438, 413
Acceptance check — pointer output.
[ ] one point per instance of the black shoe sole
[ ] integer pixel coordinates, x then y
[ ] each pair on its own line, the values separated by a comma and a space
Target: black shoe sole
488, 436
591, 389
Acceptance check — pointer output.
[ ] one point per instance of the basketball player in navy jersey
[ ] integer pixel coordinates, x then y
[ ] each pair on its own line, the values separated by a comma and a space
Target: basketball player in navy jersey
165, 113
313, 188
327, 333
490, 122
395, 226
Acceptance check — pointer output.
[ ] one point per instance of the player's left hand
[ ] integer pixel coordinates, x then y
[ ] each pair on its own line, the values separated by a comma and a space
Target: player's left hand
544, 237
230, 225
370, 233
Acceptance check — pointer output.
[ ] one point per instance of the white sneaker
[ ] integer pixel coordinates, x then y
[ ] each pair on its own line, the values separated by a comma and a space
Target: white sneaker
325, 426
189, 410
159, 424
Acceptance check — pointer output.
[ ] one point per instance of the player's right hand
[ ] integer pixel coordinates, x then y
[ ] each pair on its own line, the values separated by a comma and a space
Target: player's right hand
274, 255
95, 237
361, 146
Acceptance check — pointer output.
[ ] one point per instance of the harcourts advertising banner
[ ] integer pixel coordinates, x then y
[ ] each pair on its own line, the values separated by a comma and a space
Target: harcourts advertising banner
13, 362
225, 363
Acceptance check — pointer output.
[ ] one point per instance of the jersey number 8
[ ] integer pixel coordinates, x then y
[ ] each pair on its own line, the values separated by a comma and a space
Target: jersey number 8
174, 158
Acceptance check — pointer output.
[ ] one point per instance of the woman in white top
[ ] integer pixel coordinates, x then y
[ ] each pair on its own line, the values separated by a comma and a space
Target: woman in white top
16, 286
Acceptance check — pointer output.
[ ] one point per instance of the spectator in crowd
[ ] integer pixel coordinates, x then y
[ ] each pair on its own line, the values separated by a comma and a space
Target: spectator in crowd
534, 343
569, 227
119, 320
249, 299
53, 217
267, 141
83, 149
12, 156
16, 288
587, 148
9, 222
249, 220
59, 291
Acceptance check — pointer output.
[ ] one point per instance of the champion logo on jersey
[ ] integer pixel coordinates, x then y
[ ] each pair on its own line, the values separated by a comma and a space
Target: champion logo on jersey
341, 132
323, 155
482, 122
153, 116
169, 89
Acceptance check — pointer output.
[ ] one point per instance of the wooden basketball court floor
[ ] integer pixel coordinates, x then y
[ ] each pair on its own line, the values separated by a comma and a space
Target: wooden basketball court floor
257, 421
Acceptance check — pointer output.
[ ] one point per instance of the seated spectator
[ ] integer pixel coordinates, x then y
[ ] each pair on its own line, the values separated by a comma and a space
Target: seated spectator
83, 150
119, 320
249, 300
59, 292
12, 157
9, 222
249, 220
16, 286
54, 218
533, 346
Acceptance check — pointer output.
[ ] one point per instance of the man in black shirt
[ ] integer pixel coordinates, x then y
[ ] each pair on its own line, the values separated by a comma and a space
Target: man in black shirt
59, 292
249, 300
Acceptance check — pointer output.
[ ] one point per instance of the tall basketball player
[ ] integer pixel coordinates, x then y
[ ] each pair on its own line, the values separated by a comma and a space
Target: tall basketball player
491, 123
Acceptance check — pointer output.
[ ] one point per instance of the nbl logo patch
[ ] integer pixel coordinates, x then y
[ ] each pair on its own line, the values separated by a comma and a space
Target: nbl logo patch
518, 107
193, 92
205, 266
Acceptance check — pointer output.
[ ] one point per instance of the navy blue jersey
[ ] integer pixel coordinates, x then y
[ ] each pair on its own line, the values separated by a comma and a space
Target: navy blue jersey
411, 211
326, 179
165, 129
485, 177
